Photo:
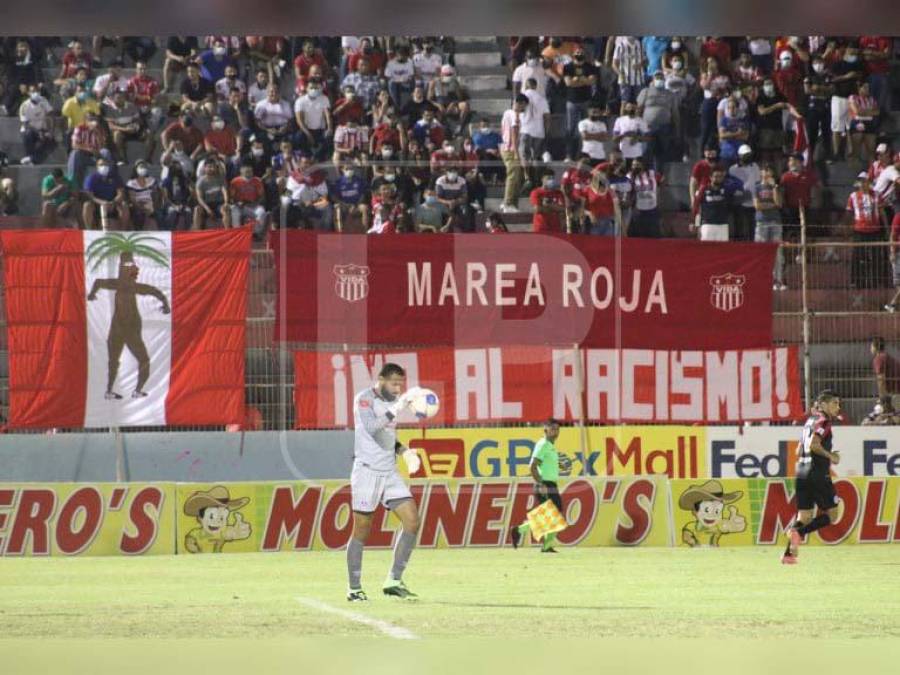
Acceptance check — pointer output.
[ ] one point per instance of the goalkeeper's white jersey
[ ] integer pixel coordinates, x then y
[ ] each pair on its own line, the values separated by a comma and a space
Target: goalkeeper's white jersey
375, 435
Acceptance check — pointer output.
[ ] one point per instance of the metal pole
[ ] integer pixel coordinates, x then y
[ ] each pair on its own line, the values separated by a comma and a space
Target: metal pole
121, 476
582, 416
804, 280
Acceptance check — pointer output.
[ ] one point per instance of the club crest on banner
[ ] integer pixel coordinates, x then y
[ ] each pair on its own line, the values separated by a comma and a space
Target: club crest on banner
352, 282
727, 291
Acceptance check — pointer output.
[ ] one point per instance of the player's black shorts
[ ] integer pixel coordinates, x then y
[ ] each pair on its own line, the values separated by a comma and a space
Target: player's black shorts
552, 495
815, 491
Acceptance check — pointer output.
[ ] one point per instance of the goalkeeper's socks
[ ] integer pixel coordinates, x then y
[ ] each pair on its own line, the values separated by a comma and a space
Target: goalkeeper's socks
549, 541
524, 529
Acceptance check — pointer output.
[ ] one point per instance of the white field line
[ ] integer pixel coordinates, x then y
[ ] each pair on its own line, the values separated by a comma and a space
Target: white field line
389, 629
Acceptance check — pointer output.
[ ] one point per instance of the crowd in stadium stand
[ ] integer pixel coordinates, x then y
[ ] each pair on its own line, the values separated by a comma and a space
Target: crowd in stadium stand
379, 135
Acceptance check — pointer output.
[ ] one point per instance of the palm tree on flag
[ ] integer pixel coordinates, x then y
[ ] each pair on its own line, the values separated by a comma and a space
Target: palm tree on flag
125, 328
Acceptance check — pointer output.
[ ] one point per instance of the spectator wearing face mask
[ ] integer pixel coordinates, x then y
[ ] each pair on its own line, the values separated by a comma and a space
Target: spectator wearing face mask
213, 62
631, 132
676, 51
89, 142
389, 132
347, 108
495, 224
615, 172
748, 173
444, 158
349, 196
350, 140
847, 74
247, 200
715, 203
452, 191
531, 68
400, 74
818, 87
659, 109
788, 78
767, 214
309, 57
398, 177
734, 131
36, 129
741, 106
105, 197
868, 223
487, 145
771, 106
602, 212
431, 214
312, 113
549, 205
221, 139
575, 179
366, 50
594, 134
144, 197
646, 220
580, 78
744, 71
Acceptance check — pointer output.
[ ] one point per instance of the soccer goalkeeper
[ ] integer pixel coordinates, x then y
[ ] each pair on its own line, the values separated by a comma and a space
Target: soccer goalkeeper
545, 464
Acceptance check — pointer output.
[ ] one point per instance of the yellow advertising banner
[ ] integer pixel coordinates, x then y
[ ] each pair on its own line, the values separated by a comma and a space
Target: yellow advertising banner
747, 511
246, 517
488, 452
87, 519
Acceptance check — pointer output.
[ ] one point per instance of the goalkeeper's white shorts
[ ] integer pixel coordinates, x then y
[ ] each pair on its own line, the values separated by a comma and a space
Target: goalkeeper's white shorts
370, 488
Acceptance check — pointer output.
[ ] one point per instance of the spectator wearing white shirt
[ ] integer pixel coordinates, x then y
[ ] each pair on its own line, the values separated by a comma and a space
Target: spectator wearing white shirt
273, 115
631, 132
659, 109
37, 127
426, 63
257, 91
535, 123
312, 113
107, 84
594, 134
532, 67
229, 82
400, 74
748, 172
510, 151
306, 203
887, 183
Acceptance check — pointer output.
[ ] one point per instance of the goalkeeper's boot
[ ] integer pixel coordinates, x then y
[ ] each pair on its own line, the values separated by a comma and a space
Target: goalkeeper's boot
516, 536
397, 589
549, 550
356, 595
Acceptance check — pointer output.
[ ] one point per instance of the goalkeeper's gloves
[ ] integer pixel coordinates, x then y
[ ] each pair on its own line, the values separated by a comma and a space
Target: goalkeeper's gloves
565, 464
403, 401
413, 463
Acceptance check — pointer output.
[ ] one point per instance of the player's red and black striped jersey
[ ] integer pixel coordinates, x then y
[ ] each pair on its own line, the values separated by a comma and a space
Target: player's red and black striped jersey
807, 462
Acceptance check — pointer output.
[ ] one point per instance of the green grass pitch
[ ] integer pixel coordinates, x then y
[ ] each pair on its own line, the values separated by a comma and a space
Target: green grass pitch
703, 597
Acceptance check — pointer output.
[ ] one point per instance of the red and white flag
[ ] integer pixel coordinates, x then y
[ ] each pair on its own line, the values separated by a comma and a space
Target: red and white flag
125, 328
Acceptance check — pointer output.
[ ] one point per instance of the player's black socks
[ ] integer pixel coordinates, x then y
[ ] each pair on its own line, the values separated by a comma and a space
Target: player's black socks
813, 525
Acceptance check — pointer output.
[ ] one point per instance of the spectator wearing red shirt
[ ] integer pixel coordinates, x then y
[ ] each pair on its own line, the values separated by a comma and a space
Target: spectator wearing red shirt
717, 49
74, 58
876, 54
601, 208
793, 45
389, 132
868, 220
315, 74
885, 369
310, 56
445, 158
797, 184
895, 262
349, 107
143, 88
185, 131
375, 56
574, 179
701, 172
788, 78
549, 205
220, 139
247, 193
89, 141
495, 225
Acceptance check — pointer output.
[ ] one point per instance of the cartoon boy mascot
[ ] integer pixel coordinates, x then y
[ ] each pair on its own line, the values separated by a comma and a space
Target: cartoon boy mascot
211, 509
707, 502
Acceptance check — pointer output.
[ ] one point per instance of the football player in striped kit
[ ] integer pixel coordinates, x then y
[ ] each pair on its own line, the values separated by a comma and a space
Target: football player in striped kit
375, 478
813, 482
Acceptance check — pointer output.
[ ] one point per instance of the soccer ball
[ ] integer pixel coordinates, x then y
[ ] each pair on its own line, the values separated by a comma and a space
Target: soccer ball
425, 403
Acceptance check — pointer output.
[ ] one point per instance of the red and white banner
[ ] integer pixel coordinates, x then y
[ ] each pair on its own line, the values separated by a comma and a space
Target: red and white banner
527, 289
530, 384
125, 328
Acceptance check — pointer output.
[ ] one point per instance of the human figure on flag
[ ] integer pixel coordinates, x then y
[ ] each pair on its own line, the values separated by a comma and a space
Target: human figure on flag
125, 328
